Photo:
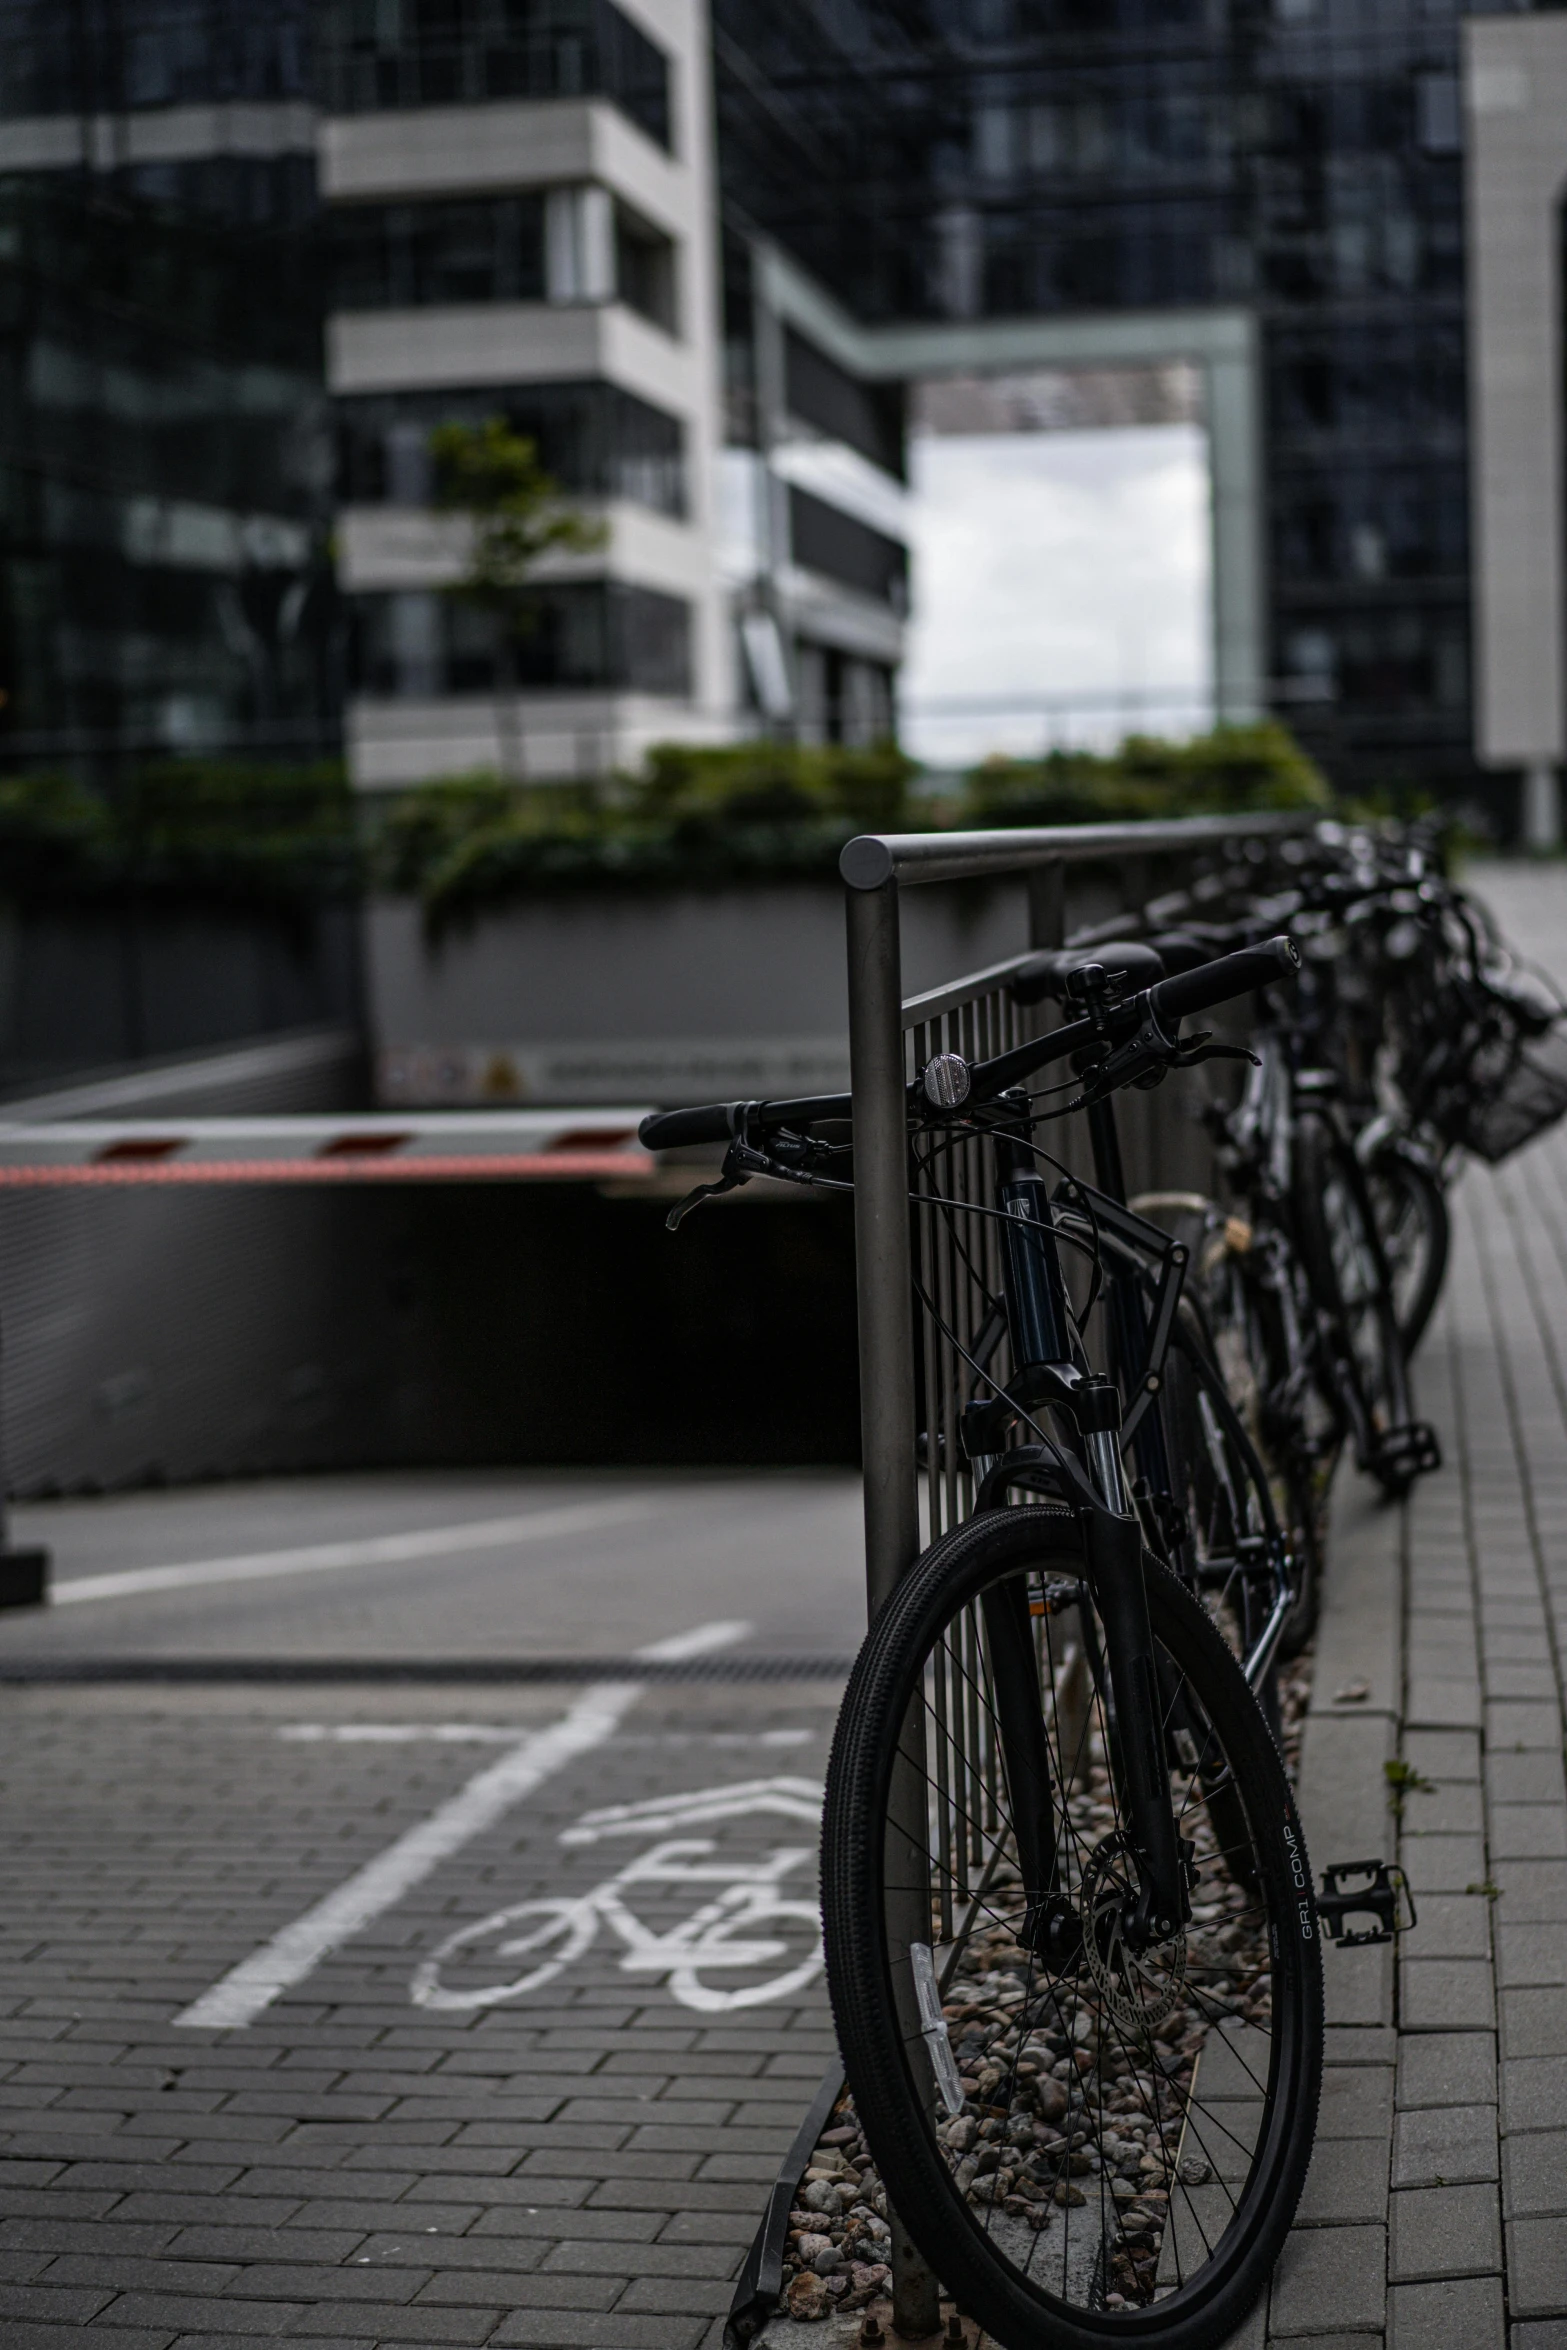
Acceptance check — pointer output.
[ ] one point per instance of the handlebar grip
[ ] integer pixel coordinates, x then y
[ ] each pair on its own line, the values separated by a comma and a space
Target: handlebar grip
667, 1130
1215, 983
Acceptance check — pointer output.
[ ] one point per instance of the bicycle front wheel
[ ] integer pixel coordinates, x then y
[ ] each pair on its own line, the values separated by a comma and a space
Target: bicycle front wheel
1091, 2142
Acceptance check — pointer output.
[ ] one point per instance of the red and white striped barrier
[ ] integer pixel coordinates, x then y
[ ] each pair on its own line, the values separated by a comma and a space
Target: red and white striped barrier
488, 1146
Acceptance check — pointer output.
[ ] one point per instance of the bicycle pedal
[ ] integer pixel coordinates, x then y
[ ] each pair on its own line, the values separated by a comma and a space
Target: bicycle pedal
1406, 1453
1385, 1896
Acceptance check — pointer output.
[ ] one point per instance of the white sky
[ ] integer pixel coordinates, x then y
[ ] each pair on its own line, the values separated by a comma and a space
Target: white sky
1057, 566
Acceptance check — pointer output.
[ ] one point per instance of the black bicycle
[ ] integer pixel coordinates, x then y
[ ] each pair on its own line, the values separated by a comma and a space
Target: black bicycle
1095, 1838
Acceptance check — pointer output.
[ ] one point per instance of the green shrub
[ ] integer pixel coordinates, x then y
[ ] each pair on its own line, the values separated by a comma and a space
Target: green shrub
1235, 770
186, 828
695, 816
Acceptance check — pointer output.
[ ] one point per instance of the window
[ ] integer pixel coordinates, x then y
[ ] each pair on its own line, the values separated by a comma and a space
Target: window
387, 53
645, 270
583, 636
572, 244
597, 440
401, 256
824, 539
869, 417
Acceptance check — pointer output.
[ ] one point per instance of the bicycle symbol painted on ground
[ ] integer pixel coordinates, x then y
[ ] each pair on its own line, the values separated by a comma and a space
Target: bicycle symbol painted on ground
748, 1924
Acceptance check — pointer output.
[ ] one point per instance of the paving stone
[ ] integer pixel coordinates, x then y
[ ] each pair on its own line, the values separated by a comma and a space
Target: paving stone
658, 2260
1347, 2181
1443, 1753
1446, 2068
1527, 1831
1444, 2146
1533, 1955
1534, 2173
1533, 2023
1447, 1995
1357, 2102
505, 2291
1329, 2277
1525, 1778
383, 2321
676, 2295
1435, 1701
1456, 1808
1451, 1925
207, 2317
565, 2329
1537, 2267
1463, 2314
1523, 1726
1447, 2231
1443, 1864
1532, 1891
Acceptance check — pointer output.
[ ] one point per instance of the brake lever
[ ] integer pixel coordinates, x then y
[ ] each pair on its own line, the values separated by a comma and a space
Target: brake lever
742, 1160
729, 1180
1201, 1048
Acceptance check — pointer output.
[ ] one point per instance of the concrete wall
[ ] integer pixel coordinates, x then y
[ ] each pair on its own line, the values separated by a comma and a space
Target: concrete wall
657, 996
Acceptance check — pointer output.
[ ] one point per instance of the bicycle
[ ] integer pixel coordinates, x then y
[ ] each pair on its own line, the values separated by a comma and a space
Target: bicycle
1112, 1834
1208, 1506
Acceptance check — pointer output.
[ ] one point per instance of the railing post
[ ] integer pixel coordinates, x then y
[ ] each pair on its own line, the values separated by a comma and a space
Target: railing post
887, 1433
1047, 905
881, 1239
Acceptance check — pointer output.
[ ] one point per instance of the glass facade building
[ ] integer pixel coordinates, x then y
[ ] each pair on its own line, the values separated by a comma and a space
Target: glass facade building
171, 461
165, 442
1302, 159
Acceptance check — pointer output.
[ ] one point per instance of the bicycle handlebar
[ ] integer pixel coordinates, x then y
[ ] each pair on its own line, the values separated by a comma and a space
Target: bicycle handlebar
1216, 983
667, 1130
1166, 1003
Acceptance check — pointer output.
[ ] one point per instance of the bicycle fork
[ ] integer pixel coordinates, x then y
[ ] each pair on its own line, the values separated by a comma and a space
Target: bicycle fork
1048, 1372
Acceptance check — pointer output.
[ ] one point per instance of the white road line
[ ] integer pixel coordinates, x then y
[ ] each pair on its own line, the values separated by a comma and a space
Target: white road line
373, 1550
240, 1995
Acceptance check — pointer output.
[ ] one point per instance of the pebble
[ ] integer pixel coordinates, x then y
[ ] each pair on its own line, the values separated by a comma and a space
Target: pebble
808, 2297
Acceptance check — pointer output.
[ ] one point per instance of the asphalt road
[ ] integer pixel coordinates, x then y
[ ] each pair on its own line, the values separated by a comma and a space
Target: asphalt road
456, 1566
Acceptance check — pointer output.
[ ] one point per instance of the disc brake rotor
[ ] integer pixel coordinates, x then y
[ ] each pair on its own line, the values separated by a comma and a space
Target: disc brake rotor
1139, 1988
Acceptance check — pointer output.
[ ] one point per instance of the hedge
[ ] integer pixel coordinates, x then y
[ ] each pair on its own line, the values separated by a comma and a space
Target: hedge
692, 817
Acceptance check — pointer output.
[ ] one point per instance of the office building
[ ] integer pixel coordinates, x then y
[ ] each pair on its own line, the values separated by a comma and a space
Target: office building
701, 258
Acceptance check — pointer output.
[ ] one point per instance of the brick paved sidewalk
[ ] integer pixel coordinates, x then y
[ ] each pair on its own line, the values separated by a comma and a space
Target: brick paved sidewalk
580, 2165
1436, 2213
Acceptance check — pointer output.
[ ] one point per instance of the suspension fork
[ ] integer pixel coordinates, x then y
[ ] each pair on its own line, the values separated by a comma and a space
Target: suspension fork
1045, 1366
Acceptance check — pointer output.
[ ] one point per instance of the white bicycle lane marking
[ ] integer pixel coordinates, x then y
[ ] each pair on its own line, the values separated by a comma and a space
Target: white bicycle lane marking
372, 1550
722, 1936
294, 1952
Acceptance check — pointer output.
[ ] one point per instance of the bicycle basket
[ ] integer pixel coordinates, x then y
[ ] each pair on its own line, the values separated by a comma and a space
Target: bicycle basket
1516, 1086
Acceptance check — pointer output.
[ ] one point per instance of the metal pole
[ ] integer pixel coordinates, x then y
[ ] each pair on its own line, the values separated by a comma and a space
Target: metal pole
887, 1433
881, 1239
1047, 905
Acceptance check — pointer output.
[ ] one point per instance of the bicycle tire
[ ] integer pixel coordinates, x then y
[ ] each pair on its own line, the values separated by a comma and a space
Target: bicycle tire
1353, 1288
1263, 2050
1226, 1333
1410, 1207
1231, 1508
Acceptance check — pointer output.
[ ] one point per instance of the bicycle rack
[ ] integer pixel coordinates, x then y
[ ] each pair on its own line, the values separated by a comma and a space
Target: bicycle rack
889, 1041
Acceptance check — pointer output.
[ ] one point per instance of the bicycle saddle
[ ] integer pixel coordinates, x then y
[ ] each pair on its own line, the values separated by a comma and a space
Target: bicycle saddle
1043, 977
1183, 950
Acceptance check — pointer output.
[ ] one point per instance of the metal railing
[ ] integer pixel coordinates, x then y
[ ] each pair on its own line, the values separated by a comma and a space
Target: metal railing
926, 1278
